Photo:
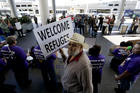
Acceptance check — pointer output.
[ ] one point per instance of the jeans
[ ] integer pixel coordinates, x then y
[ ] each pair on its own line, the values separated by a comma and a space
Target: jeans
100, 26
20, 32
103, 29
125, 84
65, 91
135, 29
110, 28
48, 74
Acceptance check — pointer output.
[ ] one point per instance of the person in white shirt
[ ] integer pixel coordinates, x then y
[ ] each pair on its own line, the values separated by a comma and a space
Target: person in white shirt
136, 24
19, 28
105, 25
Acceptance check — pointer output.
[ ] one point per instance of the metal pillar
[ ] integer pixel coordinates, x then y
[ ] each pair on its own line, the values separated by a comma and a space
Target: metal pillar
86, 8
121, 11
44, 11
54, 8
13, 8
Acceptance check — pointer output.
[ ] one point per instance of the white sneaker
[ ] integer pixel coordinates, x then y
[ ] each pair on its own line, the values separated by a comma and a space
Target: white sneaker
24, 34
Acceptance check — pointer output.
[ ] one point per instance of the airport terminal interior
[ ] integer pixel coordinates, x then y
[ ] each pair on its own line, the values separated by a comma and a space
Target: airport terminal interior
102, 22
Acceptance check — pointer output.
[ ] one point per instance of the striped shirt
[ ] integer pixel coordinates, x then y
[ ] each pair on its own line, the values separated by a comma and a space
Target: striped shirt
77, 77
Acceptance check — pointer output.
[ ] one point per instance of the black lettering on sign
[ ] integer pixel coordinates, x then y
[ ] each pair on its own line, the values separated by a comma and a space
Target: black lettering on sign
61, 40
58, 43
63, 26
47, 48
65, 38
52, 34
67, 25
67, 35
54, 29
54, 43
42, 35
58, 28
51, 46
48, 32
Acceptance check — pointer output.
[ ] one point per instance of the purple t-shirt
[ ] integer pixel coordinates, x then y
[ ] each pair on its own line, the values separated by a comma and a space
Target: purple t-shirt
132, 65
20, 55
2, 64
119, 53
37, 51
48, 60
97, 62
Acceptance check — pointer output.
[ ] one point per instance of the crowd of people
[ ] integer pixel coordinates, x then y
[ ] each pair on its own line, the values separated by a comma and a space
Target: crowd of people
9, 26
91, 24
87, 25
82, 71
6, 28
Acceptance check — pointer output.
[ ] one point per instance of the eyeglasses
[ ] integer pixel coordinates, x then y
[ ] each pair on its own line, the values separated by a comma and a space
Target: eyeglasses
73, 45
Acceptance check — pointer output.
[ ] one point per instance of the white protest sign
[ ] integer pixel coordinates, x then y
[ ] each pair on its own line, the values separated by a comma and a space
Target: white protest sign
53, 36
18, 25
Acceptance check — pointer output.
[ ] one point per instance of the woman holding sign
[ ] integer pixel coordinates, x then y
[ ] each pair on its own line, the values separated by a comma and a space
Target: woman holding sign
97, 62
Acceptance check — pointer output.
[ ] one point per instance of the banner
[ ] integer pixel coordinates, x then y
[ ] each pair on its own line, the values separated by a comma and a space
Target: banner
53, 36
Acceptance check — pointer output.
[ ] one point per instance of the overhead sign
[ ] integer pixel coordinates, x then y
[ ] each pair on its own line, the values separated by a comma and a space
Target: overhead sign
53, 36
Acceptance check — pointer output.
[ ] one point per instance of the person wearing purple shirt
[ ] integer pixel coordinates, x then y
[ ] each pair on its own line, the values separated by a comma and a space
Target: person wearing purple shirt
97, 61
129, 70
2, 65
5, 88
17, 58
46, 66
120, 54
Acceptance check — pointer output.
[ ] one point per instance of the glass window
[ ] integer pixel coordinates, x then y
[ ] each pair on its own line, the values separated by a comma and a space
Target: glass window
29, 5
116, 4
30, 10
51, 11
36, 11
115, 9
17, 5
110, 5
23, 5
2, 0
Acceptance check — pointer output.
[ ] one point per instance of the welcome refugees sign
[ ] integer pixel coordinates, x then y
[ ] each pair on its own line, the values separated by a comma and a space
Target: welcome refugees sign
53, 36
